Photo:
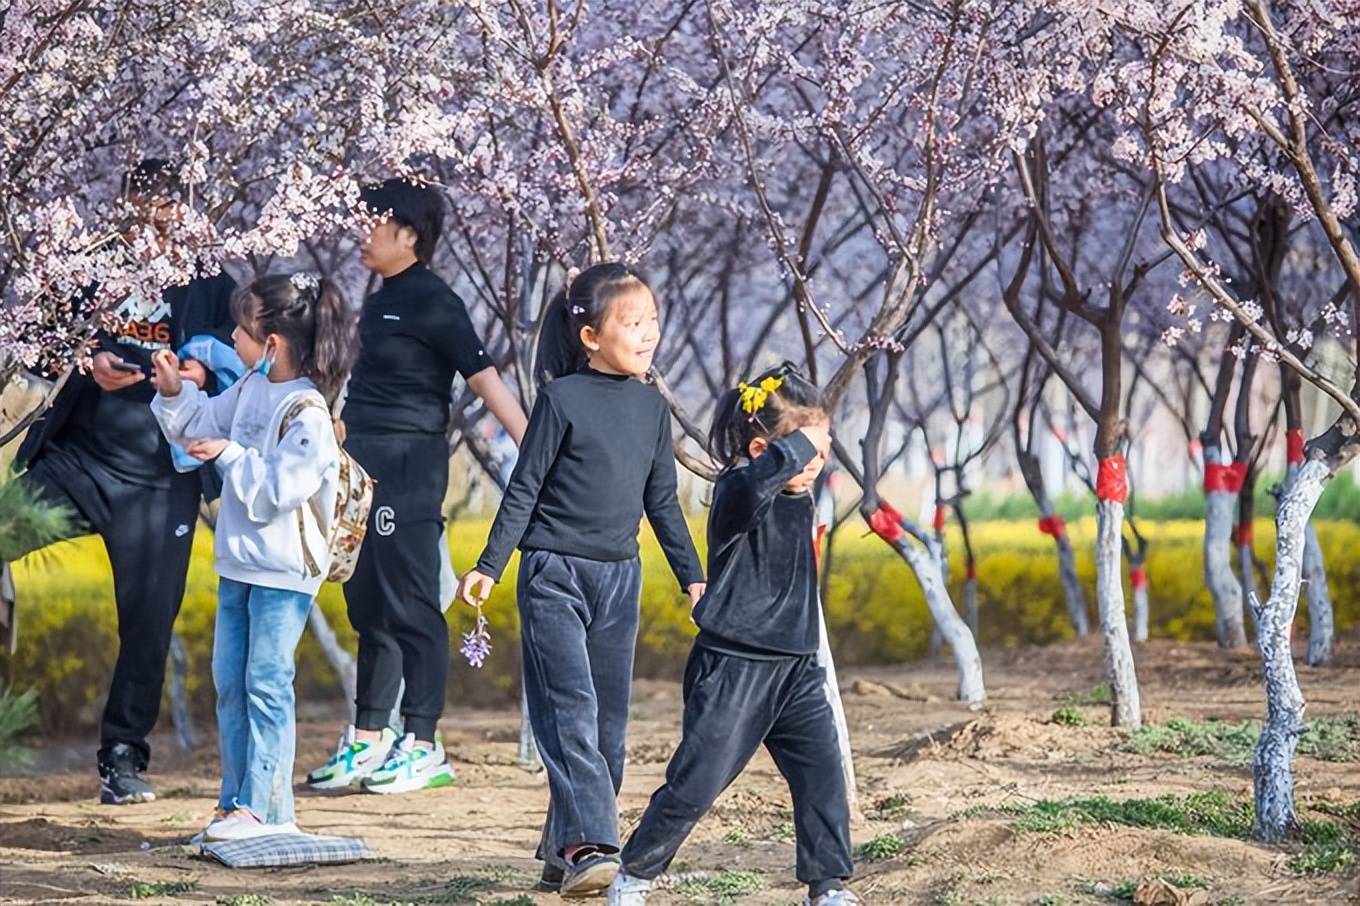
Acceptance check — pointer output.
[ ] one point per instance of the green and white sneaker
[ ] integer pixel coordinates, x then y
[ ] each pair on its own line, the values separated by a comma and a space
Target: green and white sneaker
352, 762
409, 768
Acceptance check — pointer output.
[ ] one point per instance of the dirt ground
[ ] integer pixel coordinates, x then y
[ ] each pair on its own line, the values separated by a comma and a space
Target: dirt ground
928, 771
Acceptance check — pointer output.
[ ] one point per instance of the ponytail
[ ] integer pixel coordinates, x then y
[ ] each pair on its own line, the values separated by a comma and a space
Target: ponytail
312, 315
333, 350
583, 302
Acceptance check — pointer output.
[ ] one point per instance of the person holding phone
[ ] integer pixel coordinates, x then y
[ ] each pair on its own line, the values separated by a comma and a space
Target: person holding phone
99, 452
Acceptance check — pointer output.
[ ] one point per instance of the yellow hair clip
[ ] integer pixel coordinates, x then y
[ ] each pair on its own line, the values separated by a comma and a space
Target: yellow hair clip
753, 397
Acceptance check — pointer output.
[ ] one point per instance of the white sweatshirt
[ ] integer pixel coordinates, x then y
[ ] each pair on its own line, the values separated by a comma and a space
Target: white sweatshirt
266, 481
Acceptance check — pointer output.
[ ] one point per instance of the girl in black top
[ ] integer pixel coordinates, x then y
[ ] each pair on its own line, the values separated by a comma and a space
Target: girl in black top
597, 456
753, 676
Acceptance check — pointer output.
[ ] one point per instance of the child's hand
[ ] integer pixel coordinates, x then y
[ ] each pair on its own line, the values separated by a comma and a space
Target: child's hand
696, 591
206, 450
820, 435
166, 378
474, 588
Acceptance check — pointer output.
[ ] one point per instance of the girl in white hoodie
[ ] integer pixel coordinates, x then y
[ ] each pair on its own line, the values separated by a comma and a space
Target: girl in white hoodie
273, 441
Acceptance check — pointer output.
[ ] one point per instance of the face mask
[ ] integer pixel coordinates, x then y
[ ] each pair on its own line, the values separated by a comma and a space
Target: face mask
265, 363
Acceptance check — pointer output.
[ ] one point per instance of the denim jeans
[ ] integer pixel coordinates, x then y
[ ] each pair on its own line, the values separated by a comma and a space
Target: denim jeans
257, 630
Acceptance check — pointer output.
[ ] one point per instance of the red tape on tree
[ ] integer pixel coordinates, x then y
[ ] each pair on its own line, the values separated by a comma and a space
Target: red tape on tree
817, 535
1242, 535
1138, 577
940, 514
1293, 441
1225, 479
972, 570
1053, 525
886, 523
1112, 481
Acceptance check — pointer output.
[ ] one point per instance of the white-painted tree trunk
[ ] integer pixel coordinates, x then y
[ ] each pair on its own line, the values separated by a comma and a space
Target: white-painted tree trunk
181, 715
1246, 570
833, 697
1140, 613
341, 661
1218, 573
1125, 709
1319, 600
529, 759
1273, 764
929, 573
970, 606
1071, 585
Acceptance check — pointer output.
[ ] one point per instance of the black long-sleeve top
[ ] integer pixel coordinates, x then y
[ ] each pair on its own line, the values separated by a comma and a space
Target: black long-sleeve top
762, 591
596, 455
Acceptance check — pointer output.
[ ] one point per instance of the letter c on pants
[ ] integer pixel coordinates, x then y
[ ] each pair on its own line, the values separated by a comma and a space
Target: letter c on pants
385, 521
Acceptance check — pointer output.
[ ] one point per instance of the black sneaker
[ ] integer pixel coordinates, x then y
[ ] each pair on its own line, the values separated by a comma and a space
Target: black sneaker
551, 879
120, 777
590, 875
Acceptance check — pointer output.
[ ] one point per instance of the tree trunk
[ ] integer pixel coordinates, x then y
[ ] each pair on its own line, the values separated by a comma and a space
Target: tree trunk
529, 758
930, 574
1032, 472
181, 715
1246, 566
1319, 600
1072, 593
1125, 710
970, 605
1273, 764
341, 661
1218, 573
1139, 583
833, 696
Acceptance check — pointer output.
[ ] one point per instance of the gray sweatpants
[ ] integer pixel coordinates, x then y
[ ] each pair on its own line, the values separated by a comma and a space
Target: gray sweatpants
733, 705
578, 627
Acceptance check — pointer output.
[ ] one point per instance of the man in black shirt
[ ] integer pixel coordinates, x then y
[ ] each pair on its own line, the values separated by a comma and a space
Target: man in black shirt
99, 452
414, 337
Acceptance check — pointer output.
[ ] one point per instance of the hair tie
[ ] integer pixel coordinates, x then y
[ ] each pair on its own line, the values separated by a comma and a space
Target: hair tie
577, 310
753, 396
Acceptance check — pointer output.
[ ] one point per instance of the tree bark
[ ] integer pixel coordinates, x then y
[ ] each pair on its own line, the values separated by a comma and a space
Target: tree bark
1073, 596
833, 697
970, 605
180, 713
1319, 600
1125, 710
1273, 764
929, 573
1218, 573
341, 661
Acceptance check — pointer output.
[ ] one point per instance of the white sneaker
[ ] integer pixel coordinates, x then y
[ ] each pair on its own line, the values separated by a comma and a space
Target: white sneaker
410, 767
202, 836
628, 891
840, 897
352, 762
242, 824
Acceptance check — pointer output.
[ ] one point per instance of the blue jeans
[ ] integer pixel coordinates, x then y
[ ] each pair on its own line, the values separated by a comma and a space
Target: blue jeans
257, 630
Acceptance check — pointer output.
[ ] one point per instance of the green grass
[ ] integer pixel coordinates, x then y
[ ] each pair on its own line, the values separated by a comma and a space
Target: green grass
1125, 890
736, 836
1069, 716
244, 899
880, 848
728, 887
892, 808
1096, 695
145, 890
1326, 845
1325, 738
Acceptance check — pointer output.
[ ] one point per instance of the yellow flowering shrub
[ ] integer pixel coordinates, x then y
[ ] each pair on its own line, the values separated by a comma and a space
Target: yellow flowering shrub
68, 627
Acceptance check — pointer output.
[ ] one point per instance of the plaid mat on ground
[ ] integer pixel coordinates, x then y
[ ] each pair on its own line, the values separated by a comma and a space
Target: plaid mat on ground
288, 849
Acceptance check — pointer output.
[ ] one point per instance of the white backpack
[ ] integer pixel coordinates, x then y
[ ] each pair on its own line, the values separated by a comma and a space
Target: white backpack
352, 503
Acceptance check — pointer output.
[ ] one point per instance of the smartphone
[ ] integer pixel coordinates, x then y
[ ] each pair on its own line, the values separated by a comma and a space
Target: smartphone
129, 367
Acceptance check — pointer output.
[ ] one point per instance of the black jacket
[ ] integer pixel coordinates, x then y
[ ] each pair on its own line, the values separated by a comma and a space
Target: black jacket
202, 306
